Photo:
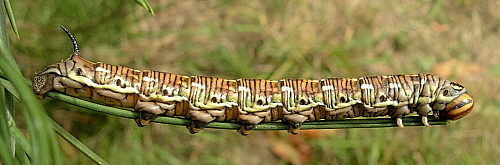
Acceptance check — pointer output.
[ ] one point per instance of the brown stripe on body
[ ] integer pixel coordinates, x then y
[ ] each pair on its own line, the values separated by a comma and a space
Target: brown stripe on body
255, 99
100, 76
259, 101
436, 83
299, 102
116, 77
416, 89
208, 101
251, 101
381, 91
408, 88
367, 89
231, 95
339, 97
209, 94
181, 89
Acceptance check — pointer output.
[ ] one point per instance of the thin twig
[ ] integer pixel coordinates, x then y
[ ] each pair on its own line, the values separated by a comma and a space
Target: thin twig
335, 124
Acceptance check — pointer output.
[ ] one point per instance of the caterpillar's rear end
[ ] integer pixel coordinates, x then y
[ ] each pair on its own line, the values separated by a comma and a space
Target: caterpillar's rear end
252, 101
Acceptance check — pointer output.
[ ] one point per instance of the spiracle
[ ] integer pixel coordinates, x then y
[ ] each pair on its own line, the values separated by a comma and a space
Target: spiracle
252, 101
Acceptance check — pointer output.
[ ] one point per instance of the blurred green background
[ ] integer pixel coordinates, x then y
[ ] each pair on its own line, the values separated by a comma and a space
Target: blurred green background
458, 40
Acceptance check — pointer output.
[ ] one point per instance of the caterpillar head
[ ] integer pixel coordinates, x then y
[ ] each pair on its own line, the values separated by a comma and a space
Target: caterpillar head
70, 73
456, 101
56, 76
43, 81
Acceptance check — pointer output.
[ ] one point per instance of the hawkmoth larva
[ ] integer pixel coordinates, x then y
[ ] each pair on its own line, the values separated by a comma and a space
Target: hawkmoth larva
251, 101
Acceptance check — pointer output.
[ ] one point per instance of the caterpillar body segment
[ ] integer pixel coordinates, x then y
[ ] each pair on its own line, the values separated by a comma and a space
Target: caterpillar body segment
252, 101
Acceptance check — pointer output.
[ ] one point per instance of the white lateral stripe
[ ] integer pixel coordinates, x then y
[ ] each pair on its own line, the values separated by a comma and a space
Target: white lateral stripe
327, 87
99, 69
285, 88
242, 88
367, 86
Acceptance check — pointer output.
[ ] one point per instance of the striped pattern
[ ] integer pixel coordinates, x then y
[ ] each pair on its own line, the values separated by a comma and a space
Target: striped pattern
252, 101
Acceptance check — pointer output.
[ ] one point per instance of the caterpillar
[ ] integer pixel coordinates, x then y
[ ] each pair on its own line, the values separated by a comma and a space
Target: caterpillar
252, 101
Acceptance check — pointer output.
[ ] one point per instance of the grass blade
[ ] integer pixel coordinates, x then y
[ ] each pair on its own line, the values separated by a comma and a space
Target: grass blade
8, 86
6, 154
21, 156
76, 143
10, 14
24, 143
21, 141
7, 99
40, 135
145, 4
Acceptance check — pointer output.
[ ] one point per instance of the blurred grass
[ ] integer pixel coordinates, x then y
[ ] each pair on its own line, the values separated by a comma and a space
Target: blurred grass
273, 40
42, 147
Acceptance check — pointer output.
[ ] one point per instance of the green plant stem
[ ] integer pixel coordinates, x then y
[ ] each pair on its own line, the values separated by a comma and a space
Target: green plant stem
23, 143
333, 124
76, 143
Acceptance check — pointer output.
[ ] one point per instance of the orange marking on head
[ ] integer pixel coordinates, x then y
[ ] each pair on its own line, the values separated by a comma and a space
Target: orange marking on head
459, 107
